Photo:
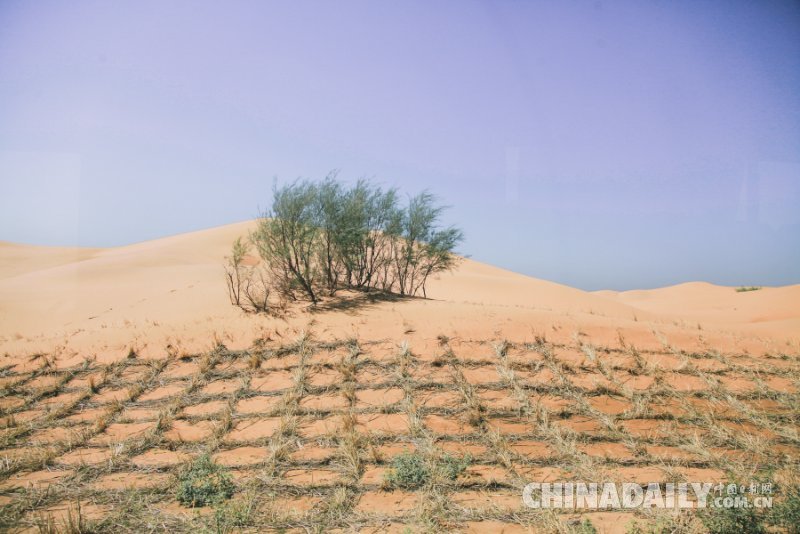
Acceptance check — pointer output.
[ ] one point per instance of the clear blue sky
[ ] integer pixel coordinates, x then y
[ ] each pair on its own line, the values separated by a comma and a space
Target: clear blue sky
598, 144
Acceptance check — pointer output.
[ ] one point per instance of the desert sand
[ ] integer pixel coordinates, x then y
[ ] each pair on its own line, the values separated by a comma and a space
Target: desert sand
121, 366
170, 291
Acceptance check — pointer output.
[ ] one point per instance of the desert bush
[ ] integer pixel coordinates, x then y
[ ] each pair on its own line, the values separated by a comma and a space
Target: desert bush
786, 514
331, 220
411, 470
408, 470
318, 238
422, 249
287, 240
744, 289
256, 291
233, 271
727, 520
248, 285
204, 482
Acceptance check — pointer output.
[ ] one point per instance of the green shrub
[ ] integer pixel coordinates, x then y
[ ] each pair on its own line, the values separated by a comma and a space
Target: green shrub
585, 527
786, 514
744, 289
408, 470
204, 482
318, 238
727, 520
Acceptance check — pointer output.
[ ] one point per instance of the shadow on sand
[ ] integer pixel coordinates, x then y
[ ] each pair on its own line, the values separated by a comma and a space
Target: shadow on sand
354, 302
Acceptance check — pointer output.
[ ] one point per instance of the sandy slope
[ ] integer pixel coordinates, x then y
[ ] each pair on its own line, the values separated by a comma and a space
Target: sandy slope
170, 291
18, 259
772, 309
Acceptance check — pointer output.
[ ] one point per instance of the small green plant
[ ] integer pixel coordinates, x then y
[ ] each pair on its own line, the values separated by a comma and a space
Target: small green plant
744, 289
786, 514
409, 470
204, 482
452, 466
668, 524
230, 515
726, 520
586, 527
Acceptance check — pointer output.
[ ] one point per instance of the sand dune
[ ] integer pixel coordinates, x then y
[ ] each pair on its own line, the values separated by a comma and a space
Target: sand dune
702, 301
171, 291
16, 259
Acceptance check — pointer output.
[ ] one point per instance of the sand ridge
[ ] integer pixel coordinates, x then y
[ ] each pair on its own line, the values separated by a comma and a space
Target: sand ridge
169, 295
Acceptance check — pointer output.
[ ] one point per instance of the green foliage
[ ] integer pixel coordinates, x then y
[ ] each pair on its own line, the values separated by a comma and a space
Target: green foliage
422, 248
744, 289
786, 513
231, 515
318, 238
238, 251
233, 271
586, 527
453, 467
726, 520
204, 482
287, 236
409, 470
370, 221
668, 524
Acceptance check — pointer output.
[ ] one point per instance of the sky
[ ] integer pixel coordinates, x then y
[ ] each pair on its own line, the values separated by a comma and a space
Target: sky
600, 144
